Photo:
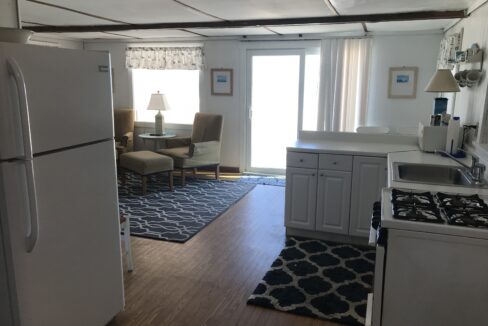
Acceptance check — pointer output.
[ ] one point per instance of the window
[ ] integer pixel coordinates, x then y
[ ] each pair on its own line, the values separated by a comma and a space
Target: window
181, 88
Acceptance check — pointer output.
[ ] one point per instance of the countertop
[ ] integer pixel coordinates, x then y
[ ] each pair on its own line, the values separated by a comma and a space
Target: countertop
350, 147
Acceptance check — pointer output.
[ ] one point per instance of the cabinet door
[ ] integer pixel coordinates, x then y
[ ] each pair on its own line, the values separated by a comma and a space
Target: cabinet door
333, 201
301, 198
368, 177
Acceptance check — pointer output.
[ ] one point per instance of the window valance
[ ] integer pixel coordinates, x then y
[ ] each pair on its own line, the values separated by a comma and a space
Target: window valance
162, 58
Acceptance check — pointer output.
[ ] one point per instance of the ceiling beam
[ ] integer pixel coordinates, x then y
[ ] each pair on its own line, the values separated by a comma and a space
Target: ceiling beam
373, 18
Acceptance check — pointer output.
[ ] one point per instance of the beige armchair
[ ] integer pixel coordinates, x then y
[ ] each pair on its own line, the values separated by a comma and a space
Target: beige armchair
202, 149
124, 130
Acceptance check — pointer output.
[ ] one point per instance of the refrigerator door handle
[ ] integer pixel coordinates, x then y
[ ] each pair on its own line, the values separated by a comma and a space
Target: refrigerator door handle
15, 71
32, 233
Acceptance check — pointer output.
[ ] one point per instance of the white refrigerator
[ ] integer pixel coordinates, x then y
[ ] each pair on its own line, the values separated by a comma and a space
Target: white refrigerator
60, 255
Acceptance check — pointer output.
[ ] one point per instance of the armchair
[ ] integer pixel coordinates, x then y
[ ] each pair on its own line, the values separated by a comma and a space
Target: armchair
202, 149
124, 130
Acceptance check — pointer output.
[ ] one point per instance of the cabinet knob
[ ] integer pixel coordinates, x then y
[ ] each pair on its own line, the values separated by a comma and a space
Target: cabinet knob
335, 163
322, 175
313, 174
301, 160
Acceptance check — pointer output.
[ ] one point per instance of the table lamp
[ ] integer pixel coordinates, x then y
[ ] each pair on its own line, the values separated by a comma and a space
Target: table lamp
442, 81
158, 102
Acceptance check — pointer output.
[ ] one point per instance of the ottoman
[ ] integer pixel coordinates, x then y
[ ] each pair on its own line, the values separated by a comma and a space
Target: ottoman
145, 163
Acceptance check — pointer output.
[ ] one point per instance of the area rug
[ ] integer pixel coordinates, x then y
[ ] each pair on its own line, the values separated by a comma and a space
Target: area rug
319, 279
178, 215
263, 179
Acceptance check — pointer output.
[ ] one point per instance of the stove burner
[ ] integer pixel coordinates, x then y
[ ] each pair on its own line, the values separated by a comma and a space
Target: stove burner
428, 214
412, 198
461, 201
464, 217
460, 210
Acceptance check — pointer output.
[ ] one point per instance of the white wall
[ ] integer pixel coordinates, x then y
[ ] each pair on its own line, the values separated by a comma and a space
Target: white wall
388, 51
225, 54
398, 51
471, 103
122, 77
8, 14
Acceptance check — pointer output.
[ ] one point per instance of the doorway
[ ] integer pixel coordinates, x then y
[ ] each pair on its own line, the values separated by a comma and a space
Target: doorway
275, 86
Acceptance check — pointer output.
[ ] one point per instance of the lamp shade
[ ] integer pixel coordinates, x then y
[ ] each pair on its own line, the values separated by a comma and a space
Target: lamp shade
442, 81
158, 101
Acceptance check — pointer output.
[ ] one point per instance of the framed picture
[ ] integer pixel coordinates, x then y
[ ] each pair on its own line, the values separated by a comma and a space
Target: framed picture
403, 82
222, 83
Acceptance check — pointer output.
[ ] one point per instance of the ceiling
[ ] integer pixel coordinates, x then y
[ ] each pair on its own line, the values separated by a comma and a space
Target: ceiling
194, 16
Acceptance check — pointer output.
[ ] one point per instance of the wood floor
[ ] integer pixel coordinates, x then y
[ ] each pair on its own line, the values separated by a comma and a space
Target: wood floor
207, 280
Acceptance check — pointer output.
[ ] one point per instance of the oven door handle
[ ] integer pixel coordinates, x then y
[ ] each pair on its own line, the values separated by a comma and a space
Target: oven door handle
372, 237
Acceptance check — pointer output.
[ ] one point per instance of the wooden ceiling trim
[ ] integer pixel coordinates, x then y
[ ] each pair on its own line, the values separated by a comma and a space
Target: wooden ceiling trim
123, 35
197, 10
371, 18
272, 31
365, 28
191, 32
331, 7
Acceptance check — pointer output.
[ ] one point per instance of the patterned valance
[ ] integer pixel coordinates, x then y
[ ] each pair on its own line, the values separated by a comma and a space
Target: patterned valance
186, 58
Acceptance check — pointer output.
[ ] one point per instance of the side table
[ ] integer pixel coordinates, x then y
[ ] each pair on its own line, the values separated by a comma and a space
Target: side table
157, 139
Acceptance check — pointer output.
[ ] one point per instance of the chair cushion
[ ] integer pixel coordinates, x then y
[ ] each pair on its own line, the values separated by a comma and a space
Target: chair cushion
179, 154
146, 162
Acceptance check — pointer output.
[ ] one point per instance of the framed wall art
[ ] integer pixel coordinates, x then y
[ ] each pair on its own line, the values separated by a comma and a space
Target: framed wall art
221, 81
403, 82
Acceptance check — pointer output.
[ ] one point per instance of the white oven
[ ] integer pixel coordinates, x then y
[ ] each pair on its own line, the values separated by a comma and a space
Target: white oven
373, 316
428, 273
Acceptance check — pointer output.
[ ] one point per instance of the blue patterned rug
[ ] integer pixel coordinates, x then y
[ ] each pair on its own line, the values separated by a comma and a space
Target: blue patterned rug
319, 279
178, 215
263, 179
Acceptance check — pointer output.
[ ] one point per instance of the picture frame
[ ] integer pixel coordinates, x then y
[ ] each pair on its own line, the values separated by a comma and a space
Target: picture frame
402, 82
222, 81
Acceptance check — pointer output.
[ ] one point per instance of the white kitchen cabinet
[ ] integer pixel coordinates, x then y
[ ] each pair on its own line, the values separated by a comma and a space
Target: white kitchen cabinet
368, 178
301, 198
333, 201
332, 193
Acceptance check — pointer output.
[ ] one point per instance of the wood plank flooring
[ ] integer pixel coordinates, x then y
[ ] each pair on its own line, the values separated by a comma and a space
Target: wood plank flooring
207, 280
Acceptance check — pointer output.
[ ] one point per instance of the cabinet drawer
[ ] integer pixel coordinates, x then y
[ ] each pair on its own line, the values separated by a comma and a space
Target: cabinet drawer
335, 162
302, 160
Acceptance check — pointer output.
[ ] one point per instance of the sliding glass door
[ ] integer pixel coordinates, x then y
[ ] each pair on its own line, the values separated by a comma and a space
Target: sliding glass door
275, 101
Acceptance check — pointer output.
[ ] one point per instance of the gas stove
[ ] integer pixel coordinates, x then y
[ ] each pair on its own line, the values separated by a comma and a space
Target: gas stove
440, 208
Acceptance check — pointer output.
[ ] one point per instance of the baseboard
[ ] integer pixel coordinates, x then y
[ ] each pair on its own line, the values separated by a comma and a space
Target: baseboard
224, 169
326, 236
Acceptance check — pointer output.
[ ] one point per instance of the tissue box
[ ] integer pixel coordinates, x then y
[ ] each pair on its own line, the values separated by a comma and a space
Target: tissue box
432, 138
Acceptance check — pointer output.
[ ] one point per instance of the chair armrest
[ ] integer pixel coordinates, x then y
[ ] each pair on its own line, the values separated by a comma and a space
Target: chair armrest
178, 142
127, 140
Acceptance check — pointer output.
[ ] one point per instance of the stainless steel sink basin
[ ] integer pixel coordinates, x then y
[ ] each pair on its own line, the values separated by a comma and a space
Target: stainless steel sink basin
434, 174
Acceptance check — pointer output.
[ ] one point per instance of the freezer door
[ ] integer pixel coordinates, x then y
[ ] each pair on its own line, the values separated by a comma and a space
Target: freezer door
73, 275
68, 96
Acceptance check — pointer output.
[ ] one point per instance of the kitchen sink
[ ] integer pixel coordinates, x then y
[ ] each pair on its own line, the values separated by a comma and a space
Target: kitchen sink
434, 174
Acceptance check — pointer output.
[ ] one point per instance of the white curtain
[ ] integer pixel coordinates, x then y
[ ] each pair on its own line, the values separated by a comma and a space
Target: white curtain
344, 77
185, 58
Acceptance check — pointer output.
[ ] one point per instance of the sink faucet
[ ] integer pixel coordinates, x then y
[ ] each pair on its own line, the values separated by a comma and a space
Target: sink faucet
475, 171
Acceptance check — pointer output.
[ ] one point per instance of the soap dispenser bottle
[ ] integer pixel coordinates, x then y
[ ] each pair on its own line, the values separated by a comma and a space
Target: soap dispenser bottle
452, 140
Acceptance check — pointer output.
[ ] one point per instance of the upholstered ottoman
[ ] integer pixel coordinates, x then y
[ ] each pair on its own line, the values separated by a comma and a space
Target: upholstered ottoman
146, 163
